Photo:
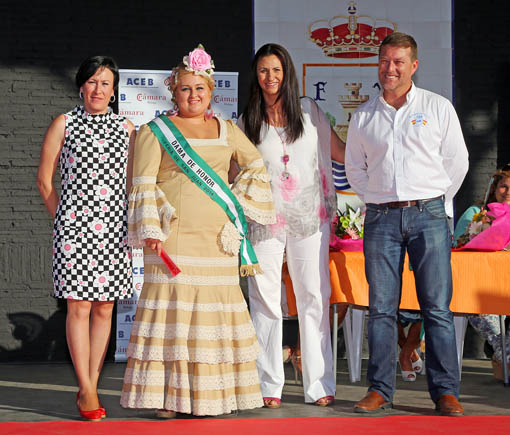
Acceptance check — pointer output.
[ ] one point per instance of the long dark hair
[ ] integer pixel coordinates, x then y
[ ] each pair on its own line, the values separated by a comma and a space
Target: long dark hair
254, 114
499, 175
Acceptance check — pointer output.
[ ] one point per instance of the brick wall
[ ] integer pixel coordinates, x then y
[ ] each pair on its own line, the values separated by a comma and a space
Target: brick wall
482, 91
42, 43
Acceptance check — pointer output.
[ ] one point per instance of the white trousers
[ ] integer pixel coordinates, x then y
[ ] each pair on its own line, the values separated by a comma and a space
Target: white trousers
308, 264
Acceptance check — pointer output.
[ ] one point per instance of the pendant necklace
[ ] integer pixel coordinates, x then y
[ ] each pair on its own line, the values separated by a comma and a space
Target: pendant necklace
285, 158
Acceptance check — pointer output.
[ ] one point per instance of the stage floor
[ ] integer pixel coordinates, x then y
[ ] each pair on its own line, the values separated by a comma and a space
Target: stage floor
46, 392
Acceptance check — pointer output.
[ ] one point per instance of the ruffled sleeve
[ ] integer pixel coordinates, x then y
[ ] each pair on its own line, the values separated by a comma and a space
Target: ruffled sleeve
252, 186
149, 213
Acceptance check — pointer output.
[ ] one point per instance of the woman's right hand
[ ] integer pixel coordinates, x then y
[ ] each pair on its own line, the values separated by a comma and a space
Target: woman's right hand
154, 244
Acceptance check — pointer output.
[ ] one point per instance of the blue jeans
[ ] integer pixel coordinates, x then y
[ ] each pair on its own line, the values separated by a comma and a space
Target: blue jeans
423, 231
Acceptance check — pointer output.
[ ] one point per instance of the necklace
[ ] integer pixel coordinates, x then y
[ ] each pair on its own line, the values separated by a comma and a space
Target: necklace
285, 158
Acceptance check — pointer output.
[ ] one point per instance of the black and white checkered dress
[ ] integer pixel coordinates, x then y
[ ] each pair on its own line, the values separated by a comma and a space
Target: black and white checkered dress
91, 259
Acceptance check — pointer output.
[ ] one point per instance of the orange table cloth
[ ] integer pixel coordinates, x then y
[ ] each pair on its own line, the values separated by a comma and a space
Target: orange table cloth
481, 282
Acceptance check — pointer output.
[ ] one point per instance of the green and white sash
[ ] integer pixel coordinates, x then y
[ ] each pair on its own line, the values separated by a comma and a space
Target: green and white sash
198, 171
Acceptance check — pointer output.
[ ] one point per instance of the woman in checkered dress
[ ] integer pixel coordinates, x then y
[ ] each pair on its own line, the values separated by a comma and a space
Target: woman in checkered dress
91, 259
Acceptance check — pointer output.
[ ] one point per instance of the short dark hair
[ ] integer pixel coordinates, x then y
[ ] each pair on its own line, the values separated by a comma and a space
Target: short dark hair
90, 65
399, 39
255, 113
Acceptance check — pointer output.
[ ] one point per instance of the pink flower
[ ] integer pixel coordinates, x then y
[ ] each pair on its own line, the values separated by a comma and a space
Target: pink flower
352, 232
199, 61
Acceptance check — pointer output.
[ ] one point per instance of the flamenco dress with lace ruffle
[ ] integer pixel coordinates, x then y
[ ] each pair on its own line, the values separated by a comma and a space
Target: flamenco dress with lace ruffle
193, 347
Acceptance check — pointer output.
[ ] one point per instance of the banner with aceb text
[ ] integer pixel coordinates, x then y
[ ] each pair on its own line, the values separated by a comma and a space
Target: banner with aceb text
143, 96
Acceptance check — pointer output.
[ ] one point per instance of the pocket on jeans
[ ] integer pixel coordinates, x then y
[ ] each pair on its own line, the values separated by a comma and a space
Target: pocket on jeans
435, 208
372, 215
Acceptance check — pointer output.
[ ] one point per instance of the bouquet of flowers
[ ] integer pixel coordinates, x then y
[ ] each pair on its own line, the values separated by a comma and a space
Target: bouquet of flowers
347, 230
489, 230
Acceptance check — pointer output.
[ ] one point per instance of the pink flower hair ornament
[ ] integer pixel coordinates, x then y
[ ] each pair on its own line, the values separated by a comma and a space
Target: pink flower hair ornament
199, 62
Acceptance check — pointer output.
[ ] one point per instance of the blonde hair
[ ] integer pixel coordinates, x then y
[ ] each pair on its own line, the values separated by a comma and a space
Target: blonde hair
177, 73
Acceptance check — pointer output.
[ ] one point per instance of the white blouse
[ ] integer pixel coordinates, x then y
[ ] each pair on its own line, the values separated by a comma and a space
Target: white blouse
307, 197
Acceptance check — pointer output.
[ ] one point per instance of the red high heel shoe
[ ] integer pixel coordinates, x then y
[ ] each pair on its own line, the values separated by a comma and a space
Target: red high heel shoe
94, 415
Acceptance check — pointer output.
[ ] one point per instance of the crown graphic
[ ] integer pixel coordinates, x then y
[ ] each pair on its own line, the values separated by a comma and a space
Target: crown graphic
351, 36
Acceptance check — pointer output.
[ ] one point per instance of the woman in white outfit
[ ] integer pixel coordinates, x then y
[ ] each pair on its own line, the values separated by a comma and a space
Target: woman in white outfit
297, 143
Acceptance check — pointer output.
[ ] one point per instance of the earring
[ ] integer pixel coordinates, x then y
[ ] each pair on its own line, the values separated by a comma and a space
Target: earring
209, 113
174, 111
81, 95
112, 101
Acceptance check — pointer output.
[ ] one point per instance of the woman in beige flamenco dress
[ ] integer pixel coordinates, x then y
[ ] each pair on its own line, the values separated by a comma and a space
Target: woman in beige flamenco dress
193, 347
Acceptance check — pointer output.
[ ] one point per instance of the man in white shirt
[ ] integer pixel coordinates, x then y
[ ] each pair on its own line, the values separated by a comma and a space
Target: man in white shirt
406, 158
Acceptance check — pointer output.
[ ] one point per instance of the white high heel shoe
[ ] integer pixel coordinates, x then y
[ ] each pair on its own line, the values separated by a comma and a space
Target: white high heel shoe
418, 366
408, 376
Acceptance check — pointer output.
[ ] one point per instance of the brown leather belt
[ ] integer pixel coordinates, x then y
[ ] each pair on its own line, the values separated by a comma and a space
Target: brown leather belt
404, 204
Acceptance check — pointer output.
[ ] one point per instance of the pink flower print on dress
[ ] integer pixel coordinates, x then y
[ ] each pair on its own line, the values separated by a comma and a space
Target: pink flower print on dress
70, 264
67, 133
324, 180
71, 215
278, 226
71, 161
114, 261
91, 262
103, 192
68, 248
70, 295
114, 174
93, 174
104, 207
124, 291
101, 245
114, 116
107, 130
97, 226
102, 297
100, 143
86, 211
88, 131
101, 279
103, 158
80, 193
125, 125
289, 188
